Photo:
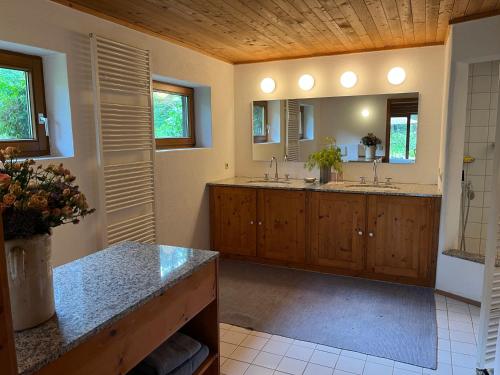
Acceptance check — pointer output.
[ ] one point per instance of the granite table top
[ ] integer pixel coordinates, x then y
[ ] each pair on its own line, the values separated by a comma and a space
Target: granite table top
415, 190
93, 292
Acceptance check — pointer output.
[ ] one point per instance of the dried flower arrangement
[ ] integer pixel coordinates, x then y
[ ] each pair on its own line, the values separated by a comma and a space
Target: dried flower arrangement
34, 199
370, 140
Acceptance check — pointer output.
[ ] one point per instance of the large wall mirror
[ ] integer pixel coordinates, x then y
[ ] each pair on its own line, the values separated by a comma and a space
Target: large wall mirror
365, 127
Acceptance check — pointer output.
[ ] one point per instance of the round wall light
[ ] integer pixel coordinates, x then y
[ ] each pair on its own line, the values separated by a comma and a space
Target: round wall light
365, 112
396, 76
348, 79
306, 82
267, 85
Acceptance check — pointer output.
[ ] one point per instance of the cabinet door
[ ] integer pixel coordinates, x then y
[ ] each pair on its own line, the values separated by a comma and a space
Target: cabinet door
234, 212
338, 223
282, 225
401, 236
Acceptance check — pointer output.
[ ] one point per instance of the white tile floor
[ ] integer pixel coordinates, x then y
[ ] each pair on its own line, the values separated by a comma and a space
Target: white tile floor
245, 352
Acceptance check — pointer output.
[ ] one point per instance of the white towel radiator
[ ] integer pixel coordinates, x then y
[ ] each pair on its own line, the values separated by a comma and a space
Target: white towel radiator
125, 141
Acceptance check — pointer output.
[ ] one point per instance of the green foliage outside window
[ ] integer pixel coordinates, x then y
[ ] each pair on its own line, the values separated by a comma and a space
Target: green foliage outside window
170, 115
413, 136
15, 113
258, 120
398, 137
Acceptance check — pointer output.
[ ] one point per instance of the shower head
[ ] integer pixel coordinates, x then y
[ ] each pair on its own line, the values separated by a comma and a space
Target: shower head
469, 159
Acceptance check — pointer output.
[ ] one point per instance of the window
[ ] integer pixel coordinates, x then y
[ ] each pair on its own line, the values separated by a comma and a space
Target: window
173, 108
259, 122
402, 125
22, 104
302, 123
306, 123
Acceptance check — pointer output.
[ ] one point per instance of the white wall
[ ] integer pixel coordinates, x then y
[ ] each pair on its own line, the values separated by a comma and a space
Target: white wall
181, 174
425, 74
342, 119
469, 42
275, 120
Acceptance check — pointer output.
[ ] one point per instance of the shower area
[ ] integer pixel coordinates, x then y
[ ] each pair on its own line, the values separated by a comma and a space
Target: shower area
479, 146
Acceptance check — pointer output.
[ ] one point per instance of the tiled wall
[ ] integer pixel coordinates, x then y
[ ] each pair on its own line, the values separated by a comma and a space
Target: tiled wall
479, 143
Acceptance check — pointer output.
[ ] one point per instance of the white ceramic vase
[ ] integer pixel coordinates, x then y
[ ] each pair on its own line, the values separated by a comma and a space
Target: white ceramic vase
370, 152
31, 287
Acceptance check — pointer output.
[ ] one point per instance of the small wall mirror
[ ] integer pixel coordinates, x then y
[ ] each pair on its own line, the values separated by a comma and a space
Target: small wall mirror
365, 127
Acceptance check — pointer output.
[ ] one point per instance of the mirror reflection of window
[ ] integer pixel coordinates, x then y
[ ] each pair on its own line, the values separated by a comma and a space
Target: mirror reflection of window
259, 122
402, 126
302, 122
306, 123
339, 117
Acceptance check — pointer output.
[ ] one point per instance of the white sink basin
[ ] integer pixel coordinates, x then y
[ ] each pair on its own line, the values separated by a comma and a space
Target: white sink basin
268, 182
374, 186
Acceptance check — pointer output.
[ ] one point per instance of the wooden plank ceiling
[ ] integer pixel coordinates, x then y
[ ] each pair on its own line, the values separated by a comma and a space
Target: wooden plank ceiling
241, 31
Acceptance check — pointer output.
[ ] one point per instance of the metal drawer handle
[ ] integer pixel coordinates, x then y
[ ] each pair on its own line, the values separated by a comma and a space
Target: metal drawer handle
360, 232
251, 222
371, 234
260, 223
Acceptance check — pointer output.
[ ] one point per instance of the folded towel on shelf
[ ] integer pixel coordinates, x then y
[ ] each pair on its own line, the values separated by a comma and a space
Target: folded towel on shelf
170, 355
192, 364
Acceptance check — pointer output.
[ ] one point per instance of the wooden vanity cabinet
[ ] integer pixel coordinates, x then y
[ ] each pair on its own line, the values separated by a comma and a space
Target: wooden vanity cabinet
402, 238
337, 230
234, 220
251, 222
383, 237
282, 225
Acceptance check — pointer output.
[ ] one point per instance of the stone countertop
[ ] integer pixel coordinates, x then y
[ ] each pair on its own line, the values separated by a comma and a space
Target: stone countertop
257, 182
93, 292
415, 190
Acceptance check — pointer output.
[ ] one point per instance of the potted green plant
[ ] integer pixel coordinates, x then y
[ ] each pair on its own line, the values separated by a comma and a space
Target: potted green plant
324, 159
370, 141
33, 200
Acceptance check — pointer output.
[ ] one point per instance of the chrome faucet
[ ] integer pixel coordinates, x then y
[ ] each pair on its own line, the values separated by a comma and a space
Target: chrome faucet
276, 177
375, 175
285, 160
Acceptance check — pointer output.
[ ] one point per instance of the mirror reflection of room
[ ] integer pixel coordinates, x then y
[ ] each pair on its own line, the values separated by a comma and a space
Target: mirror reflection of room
268, 128
366, 128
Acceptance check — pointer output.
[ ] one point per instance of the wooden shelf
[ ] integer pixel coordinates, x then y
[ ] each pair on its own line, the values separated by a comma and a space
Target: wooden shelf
208, 364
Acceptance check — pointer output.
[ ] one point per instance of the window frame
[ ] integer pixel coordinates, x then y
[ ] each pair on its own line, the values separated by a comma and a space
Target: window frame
261, 138
33, 65
302, 122
401, 113
184, 142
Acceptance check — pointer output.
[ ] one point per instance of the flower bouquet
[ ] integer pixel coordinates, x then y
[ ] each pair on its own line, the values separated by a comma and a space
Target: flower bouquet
33, 200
